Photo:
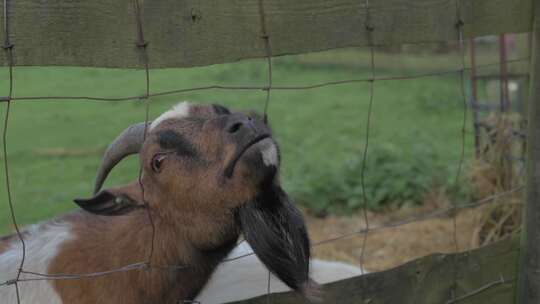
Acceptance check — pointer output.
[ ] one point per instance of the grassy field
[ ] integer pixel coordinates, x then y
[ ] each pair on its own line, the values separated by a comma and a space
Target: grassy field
55, 146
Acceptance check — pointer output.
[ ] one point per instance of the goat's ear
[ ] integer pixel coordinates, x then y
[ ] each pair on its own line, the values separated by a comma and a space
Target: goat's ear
115, 201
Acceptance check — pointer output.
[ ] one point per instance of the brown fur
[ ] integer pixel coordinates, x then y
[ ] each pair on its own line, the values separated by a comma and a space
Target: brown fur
192, 205
6, 241
105, 243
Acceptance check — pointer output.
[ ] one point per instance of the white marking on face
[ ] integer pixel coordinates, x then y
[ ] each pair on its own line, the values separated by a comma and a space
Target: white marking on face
269, 153
42, 244
178, 111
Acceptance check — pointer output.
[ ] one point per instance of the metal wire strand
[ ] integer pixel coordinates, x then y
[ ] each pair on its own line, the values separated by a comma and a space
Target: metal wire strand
142, 45
492, 199
257, 88
8, 48
268, 53
369, 31
459, 29
437, 213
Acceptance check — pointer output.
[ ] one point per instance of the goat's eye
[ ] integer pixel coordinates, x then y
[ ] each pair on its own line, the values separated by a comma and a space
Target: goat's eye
157, 162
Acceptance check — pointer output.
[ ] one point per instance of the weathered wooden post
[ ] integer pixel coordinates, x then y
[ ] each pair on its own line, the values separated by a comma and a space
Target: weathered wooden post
529, 268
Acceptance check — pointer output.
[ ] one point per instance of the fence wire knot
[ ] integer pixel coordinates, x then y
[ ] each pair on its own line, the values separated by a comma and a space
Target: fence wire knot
460, 23
8, 46
142, 44
143, 97
369, 27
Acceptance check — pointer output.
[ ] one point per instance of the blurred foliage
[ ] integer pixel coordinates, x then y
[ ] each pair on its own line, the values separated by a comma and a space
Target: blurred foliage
415, 139
392, 178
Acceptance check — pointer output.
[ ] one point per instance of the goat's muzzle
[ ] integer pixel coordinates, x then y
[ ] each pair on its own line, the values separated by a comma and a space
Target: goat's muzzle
249, 134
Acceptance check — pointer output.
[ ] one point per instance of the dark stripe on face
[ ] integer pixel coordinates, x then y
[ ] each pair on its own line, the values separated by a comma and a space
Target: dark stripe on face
170, 140
221, 110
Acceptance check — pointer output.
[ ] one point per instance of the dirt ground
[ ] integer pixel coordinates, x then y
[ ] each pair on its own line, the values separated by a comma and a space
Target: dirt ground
394, 246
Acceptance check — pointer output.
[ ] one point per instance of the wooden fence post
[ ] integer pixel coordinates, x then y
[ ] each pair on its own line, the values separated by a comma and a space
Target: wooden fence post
529, 268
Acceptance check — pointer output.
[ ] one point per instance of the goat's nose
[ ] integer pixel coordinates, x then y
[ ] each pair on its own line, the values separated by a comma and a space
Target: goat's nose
237, 122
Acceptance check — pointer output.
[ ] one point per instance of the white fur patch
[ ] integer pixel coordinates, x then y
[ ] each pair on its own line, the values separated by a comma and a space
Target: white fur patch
247, 277
270, 154
42, 244
178, 111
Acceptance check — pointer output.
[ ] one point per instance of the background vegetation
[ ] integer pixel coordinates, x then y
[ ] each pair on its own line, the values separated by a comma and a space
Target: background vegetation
415, 141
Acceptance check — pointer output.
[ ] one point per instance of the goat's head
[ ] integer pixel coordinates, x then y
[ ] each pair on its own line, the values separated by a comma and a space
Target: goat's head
202, 161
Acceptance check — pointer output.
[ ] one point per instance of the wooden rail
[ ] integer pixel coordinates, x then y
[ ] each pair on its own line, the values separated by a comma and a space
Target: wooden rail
484, 276
185, 33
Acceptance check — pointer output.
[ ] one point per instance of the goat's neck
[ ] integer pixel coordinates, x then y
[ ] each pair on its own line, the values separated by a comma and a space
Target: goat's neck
181, 259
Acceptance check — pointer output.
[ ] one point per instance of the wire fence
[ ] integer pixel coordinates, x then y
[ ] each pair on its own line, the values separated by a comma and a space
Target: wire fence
142, 46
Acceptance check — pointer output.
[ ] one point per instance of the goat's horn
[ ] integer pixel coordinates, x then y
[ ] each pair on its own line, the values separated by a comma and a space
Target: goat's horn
128, 142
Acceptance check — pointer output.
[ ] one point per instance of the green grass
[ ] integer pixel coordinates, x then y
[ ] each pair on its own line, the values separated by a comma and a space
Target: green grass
320, 131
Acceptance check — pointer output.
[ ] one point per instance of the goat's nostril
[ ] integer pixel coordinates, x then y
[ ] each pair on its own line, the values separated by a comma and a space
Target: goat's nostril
235, 127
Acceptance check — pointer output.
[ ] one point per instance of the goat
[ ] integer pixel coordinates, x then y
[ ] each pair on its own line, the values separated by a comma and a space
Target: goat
207, 175
244, 276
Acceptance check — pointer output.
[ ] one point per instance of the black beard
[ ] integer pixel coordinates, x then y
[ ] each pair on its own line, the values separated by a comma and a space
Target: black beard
276, 231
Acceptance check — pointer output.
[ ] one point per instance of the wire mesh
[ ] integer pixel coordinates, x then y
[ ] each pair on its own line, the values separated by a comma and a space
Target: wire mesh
268, 51
142, 47
8, 48
459, 29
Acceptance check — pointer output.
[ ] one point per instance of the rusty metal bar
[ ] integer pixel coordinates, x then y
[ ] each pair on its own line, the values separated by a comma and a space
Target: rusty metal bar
503, 73
474, 98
